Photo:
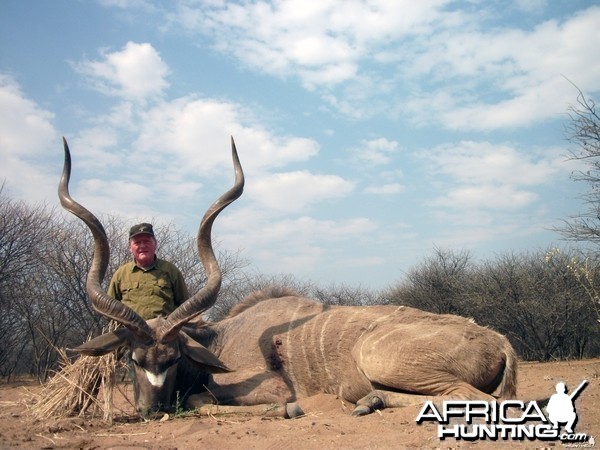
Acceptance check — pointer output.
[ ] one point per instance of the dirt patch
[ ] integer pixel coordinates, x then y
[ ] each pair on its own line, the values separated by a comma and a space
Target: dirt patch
326, 425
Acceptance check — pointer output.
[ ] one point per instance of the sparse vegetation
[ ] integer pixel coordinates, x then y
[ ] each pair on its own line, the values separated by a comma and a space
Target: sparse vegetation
541, 300
547, 302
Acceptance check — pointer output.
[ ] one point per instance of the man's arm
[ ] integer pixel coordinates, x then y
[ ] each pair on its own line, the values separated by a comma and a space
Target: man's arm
114, 288
180, 290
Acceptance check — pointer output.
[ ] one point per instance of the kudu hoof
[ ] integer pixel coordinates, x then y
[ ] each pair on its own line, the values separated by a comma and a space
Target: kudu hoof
361, 410
293, 410
367, 405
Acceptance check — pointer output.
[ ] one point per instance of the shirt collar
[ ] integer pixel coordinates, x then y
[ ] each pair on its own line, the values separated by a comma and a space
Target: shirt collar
144, 269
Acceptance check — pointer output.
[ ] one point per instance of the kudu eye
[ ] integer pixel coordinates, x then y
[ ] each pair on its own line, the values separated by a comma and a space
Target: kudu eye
135, 361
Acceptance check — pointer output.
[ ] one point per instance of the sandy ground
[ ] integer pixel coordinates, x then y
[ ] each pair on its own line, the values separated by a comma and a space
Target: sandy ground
326, 425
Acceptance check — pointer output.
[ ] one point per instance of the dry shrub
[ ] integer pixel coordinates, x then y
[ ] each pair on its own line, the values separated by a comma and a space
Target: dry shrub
82, 386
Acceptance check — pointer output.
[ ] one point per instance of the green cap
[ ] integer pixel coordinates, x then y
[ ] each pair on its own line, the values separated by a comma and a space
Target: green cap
141, 228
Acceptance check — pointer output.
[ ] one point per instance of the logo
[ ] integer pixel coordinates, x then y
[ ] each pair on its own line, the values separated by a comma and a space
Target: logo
472, 420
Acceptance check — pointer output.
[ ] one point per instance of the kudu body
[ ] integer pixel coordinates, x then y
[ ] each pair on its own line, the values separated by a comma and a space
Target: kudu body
283, 347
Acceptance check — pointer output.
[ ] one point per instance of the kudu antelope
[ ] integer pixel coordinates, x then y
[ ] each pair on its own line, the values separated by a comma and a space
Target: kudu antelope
276, 347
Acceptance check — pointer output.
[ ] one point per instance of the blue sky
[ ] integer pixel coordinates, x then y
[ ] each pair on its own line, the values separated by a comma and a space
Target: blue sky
371, 132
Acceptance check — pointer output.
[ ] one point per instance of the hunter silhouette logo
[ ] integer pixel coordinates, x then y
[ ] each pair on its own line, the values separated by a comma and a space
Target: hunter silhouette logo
510, 419
561, 407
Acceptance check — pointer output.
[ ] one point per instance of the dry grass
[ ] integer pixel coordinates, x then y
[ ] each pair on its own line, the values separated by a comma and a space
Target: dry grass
81, 387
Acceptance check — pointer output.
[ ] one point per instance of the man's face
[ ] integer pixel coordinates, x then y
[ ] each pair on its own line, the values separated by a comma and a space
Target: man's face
143, 248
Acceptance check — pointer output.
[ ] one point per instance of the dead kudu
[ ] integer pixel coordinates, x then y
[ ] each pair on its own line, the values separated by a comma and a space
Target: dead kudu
275, 347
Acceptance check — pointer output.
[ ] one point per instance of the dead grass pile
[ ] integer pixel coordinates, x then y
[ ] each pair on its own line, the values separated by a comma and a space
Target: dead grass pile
81, 387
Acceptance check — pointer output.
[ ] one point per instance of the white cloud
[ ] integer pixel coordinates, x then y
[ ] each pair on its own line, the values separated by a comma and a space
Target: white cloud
120, 197
192, 134
127, 192
474, 66
527, 69
385, 189
125, 4
94, 148
321, 41
27, 135
471, 228
296, 191
179, 149
289, 245
486, 196
25, 129
484, 162
376, 152
532, 5
483, 175
136, 72
332, 47
308, 228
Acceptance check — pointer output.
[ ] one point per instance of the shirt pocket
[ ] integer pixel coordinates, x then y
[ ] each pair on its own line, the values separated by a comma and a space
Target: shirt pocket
162, 287
127, 286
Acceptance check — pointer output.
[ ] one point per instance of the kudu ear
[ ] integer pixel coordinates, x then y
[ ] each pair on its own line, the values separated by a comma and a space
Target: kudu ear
105, 343
201, 356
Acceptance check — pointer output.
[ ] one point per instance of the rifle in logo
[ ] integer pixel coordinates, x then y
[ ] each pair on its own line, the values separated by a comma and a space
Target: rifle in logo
579, 388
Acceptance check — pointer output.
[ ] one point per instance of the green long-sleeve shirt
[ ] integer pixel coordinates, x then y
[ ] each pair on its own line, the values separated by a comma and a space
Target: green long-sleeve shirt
151, 293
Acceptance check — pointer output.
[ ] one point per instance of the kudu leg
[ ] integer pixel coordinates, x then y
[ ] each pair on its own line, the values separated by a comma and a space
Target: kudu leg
286, 411
380, 399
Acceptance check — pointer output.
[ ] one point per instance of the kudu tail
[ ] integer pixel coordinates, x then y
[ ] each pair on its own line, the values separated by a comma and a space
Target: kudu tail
508, 385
